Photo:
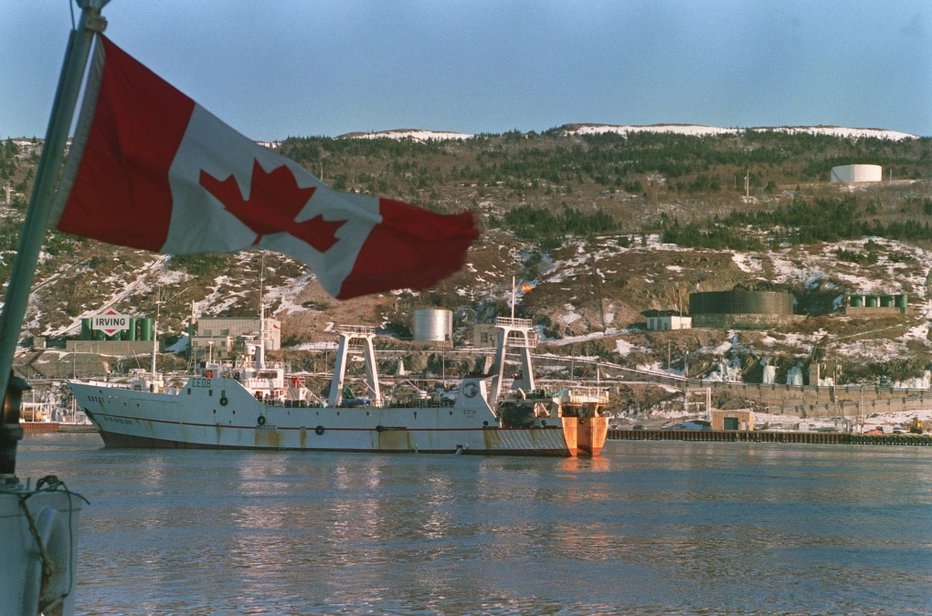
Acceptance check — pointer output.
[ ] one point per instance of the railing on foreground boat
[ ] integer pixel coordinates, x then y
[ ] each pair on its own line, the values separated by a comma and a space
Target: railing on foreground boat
729, 436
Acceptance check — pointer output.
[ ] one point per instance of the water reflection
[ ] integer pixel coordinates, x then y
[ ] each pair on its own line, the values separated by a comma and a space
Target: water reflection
652, 527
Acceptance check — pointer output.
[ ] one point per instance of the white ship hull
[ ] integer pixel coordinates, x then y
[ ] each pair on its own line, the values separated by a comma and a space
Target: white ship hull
197, 417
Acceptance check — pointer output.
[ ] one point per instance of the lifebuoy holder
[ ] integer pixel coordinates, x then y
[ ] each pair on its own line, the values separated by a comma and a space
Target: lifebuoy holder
223, 400
260, 420
319, 430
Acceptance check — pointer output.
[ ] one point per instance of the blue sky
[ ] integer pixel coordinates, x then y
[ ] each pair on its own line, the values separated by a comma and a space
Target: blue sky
273, 69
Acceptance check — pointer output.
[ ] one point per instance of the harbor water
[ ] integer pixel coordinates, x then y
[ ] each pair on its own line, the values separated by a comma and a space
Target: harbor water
651, 527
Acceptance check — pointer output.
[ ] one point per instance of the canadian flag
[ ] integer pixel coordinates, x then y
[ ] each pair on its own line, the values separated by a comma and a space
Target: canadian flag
149, 168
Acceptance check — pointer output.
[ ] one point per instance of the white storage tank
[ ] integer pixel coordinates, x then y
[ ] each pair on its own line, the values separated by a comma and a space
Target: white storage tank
433, 325
852, 174
770, 375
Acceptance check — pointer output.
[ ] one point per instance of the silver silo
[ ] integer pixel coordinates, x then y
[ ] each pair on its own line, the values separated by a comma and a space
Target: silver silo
433, 325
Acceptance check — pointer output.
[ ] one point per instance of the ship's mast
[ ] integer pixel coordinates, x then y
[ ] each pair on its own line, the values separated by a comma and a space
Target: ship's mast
516, 334
155, 333
260, 349
350, 334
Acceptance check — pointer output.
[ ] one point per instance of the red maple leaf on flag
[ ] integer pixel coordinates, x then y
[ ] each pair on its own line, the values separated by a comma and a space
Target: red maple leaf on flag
275, 200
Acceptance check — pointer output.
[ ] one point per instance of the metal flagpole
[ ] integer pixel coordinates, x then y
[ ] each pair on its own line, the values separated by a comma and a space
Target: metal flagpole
36, 223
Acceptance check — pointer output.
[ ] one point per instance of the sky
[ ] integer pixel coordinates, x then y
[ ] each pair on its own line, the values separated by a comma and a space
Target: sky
278, 68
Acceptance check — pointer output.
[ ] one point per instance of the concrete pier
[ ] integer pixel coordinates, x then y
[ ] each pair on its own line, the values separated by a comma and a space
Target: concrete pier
818, 438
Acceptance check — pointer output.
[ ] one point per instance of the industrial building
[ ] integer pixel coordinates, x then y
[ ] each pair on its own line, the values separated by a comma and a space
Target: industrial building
874, 305
667, 322
112, 333
855, 174
740, 420
741, 309
484, 335
221, 337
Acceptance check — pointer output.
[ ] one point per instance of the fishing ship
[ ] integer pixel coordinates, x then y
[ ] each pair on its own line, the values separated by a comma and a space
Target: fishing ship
261, 407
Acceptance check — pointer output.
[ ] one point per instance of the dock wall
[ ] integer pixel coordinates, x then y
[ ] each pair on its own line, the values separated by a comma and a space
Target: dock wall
818, 438
811, 401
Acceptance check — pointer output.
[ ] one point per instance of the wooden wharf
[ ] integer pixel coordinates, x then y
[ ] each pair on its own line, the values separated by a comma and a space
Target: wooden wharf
732, 436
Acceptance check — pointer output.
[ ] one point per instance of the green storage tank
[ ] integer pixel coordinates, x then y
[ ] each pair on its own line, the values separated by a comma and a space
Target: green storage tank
131, 332
146, 329
871, 301
86, 331
902, 300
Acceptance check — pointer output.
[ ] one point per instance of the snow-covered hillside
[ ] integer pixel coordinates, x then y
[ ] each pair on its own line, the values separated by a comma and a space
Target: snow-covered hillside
681, 129
414, 134
701, 131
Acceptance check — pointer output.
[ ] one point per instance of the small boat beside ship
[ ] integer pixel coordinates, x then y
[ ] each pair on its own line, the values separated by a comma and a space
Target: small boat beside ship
42, 417
37, 417
261, 407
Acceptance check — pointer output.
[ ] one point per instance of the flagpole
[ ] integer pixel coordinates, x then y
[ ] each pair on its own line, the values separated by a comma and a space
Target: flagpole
36, 223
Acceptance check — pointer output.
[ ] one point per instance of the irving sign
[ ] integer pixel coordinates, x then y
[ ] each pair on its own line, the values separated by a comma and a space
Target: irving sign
110, 322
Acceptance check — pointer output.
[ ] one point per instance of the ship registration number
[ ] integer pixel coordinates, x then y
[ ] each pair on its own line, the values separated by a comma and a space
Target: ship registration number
200, 382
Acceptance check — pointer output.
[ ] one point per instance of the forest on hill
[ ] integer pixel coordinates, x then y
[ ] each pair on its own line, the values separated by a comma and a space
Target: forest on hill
605, 227
542, 185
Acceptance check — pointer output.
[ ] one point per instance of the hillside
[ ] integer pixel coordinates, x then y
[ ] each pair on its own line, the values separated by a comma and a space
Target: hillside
604, 223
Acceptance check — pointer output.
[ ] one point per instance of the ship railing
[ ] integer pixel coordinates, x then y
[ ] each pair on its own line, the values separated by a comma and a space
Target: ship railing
514, 322
419, 403
103, 384
519, 333
356, 330
530, 341
584, 395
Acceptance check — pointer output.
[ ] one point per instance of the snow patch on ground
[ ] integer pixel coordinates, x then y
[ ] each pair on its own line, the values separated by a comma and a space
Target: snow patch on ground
571, 315
699, 130
409, 133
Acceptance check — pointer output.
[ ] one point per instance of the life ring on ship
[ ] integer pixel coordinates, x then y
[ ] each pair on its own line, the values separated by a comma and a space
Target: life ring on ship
261, 420
223, 401
319, 430
296, 381
52, 529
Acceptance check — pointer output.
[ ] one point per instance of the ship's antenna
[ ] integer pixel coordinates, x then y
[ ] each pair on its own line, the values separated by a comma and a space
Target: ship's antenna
260, 350
155, 330
155, 325
513, 283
